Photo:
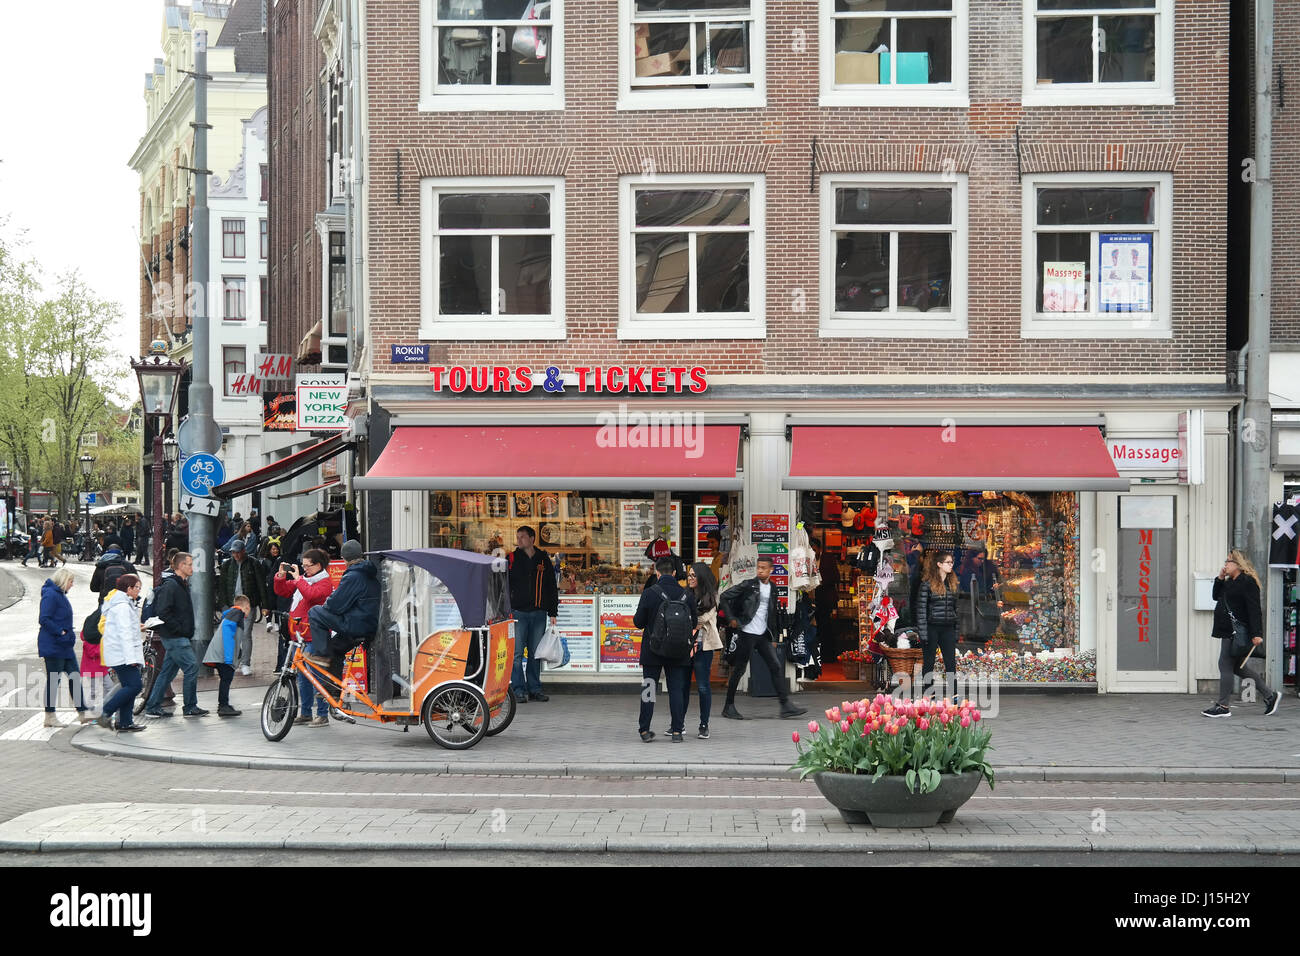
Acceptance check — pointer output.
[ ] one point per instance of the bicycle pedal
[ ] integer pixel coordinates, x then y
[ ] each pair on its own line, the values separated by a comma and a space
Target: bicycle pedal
339, 715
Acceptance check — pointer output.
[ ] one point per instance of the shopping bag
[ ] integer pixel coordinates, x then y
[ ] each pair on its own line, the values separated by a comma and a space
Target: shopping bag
551, 649
528, 41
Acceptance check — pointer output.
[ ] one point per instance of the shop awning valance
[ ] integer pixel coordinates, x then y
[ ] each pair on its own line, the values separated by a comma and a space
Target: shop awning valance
282, 470
559, 457
960, 457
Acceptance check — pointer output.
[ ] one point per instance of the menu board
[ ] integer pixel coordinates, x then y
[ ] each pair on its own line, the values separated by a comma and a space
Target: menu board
770, 533
706, 520
620, 640
637, 530
576, 623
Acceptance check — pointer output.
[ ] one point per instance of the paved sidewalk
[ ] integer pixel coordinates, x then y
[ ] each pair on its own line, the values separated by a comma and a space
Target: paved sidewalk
1139, 737
111, 826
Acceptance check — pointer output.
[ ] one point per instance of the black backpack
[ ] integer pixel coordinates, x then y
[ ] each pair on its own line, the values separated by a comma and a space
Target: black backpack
90, 628
671, 632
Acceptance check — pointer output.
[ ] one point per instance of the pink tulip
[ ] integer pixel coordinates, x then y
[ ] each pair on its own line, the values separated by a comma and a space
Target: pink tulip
794, 735
923, 723
944, 718
833, 714
844, 726
893, 730
975, 715
813, 727
846, 705
965, 721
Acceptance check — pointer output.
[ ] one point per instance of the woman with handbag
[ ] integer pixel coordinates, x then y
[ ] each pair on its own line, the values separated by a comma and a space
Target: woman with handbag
700, 580
1239, 625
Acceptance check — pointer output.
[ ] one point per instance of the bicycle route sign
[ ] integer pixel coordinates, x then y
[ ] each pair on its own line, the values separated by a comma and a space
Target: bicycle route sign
201, 473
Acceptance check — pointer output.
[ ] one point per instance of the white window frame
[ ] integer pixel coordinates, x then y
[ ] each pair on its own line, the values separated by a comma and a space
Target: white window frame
694, 325
1156, 324
1158, 93
955, 94
895, 324
479, 327
488, 98
225, 292
689, 98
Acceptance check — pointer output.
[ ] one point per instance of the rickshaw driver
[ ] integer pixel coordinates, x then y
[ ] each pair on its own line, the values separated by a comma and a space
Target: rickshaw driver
352, 611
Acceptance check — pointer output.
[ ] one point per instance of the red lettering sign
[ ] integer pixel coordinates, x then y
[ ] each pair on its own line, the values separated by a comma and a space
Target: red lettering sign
643, 379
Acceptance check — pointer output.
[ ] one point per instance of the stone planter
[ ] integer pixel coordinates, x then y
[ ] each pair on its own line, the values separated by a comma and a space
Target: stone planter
888, 803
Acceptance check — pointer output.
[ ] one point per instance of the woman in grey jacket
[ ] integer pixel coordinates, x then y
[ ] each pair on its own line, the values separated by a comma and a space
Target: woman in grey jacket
936, 619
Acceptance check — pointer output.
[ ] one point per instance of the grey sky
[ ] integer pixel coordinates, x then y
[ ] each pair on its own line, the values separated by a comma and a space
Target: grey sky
73, 76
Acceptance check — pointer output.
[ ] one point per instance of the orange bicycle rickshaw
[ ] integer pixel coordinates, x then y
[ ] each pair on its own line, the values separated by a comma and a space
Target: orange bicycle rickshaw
442, 657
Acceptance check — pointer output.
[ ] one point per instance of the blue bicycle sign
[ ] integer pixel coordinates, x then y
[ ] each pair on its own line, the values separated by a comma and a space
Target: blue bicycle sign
201, 473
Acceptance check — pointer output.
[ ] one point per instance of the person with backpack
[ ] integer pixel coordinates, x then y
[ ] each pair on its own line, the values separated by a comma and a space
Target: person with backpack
223, 652
94, 675
122, 649
668, 618
112, 565
534, 597
753, 608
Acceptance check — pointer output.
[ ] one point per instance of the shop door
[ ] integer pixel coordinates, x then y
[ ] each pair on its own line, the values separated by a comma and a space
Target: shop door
1144, 618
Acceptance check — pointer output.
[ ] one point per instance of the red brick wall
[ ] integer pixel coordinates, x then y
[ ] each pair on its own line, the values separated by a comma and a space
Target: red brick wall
1188, 139
1286, 172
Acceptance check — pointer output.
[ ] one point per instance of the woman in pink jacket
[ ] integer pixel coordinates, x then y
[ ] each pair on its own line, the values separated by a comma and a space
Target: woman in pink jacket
308, 589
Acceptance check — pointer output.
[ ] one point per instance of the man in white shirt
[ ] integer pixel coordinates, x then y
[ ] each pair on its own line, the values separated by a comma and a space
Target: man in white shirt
754, 609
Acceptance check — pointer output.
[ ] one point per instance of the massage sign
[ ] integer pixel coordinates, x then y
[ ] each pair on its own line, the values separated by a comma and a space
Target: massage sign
1146, 537
582, 379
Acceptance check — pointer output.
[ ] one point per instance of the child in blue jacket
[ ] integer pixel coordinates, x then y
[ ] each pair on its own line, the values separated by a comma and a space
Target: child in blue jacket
221, 653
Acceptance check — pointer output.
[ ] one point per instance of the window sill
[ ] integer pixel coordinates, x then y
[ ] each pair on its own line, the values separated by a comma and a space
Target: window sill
488, 330
1040, 327
917, 99
898, 325
491, 102
1093, 97
691, 328
686, 98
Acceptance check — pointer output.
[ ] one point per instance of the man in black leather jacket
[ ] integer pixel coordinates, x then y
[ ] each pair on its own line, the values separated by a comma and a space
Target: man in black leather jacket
753, 608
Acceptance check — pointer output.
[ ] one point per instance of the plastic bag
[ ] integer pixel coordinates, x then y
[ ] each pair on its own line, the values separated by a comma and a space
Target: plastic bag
528, 41
551, 649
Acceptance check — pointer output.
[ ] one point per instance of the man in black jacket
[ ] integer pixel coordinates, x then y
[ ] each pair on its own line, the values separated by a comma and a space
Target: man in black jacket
242, 575
113, 564
171, 602
652, 665
753, 608
534, 597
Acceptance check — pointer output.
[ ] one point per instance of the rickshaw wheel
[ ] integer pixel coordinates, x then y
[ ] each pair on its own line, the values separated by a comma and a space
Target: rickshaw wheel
455, 716
506, 714
279, 708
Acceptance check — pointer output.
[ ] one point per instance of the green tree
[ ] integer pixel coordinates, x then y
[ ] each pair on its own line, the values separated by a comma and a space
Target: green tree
21, 402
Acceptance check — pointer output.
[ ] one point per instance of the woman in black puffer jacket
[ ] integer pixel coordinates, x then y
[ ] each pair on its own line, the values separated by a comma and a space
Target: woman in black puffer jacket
936, 619
1237, 606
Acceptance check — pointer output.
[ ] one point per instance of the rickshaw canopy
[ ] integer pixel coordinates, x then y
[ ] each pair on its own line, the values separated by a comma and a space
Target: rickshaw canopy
466, 574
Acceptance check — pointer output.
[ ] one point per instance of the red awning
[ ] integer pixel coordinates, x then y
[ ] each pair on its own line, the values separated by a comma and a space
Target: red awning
962, 457
282, 470
610, 457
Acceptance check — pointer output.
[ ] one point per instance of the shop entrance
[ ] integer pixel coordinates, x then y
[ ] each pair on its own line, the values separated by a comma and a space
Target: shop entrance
1142, 538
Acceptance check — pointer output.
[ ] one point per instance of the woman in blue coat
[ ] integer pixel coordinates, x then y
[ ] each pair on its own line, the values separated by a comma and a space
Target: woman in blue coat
57, 645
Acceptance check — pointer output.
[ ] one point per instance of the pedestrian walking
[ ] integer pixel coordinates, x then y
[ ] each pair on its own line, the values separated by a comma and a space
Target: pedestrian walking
223, 652
668, 620
60, 534
352, 611
123, 650
534, 597
171, 602
1239, 625
936, 621
704, 586
305, 590
242, 575
94, 675
111, 565
179, 535
57, 645
126, 536
754, 610
47, 544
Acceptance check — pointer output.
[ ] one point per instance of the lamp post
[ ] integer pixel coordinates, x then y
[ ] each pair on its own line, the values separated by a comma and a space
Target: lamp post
159, 378
87, 546
5, 475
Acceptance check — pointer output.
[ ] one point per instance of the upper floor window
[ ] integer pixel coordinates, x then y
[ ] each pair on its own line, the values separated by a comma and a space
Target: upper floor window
894, 53
692, 257
492, 259
232, 238
234, 364
685, 53
1097, 258
264, 239
234, 307
264, 299
894, 255
338, 289
1099, 52
264, 177
491, 55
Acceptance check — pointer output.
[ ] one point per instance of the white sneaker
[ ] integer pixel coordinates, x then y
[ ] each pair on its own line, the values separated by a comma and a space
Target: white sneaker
245, 670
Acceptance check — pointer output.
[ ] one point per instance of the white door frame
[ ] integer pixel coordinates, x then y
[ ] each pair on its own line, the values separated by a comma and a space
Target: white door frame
1116, 681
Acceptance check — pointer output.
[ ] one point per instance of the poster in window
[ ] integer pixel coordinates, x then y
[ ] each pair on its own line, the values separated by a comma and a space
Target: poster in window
1124, 267
576, 623
637, 530
1065, 287
620, 639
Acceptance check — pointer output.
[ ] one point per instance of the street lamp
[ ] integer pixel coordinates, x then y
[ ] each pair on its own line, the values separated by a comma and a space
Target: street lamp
159, 378
5, 475
87, 547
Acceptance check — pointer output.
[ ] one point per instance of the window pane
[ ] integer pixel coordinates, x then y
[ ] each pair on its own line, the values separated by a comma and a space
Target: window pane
525, 275
862, 272
1065, 50
1127, 49
690, 6
489, 10
1093, 4
464, 56
852, 6
1091, 207
931, 39
1061, 288
525, 59
924, 270
722, 47
338, 300
1125, 275
662, 268
722, 271
661, 49
465, 275
692, 207
494, 211
893, 206
861, 35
